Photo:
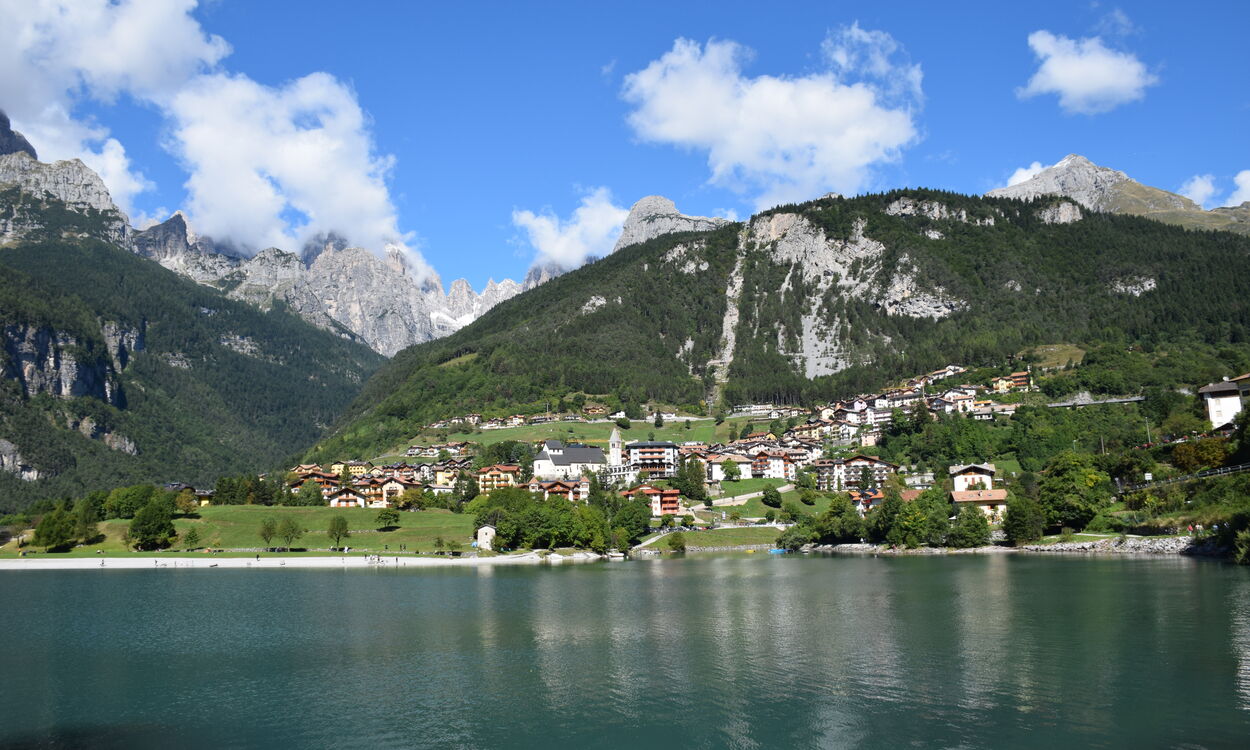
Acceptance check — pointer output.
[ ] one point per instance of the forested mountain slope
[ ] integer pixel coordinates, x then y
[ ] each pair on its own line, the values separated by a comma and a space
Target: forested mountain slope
114, 370
814, 301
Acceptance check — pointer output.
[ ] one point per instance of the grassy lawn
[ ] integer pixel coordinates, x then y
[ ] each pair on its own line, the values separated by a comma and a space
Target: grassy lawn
702, 430
1058, 355
236, 526
747, 486
728, 537
1079, 537
755, 507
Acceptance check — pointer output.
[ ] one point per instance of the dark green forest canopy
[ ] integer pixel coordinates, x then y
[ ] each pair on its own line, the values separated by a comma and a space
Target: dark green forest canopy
219, 387
636, 326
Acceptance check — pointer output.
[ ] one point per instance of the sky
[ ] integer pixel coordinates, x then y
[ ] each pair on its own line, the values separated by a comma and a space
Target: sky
481, 138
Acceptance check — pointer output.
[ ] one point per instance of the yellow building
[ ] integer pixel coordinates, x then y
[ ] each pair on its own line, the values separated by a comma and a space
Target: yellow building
498, 476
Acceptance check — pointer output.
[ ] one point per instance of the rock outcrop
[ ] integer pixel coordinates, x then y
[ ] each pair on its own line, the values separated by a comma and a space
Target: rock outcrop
43, 360
12, 142
11, 461
72, 183
655, 216
856, 266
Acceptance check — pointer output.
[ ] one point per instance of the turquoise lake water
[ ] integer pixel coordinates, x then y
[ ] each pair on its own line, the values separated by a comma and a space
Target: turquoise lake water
745, 651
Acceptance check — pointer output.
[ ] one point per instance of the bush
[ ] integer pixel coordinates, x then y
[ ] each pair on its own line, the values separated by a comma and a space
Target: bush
676, 541
971, 529
771, 497
794, 538
1241, 547
1024, 521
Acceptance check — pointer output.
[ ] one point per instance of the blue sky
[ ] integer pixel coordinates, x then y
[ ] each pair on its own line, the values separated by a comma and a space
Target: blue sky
473, 133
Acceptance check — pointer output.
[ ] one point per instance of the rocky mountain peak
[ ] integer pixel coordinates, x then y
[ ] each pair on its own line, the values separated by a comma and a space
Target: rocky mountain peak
12, 142
540, 273
655, 215
1074, 176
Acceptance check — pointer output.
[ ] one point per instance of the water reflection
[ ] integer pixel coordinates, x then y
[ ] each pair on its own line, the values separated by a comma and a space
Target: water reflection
709, 651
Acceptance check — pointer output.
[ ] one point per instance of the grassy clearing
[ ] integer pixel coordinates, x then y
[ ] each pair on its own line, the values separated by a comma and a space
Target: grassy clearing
1058, 355
597, 433
729, 537
235, 527
747, 486
462, 359
755, 507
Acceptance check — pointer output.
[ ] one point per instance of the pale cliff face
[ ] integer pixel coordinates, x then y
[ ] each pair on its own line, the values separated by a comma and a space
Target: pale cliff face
70, 182
339, 288
655, 216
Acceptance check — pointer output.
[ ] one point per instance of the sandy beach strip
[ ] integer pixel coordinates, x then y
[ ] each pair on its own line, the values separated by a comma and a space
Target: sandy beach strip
104, 562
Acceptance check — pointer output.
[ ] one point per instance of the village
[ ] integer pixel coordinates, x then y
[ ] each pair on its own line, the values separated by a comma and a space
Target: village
829, 449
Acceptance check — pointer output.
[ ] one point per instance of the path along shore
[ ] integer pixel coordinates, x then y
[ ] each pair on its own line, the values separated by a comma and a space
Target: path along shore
104, 562
1152, 546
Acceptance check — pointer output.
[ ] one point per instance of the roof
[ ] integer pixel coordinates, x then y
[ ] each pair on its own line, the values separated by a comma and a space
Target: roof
651, 445
1227, 386
503, 468
979, 468
979, 496
572, 454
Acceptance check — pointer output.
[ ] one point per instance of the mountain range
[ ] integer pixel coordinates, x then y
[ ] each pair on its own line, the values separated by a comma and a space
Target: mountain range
132, 355
804, 303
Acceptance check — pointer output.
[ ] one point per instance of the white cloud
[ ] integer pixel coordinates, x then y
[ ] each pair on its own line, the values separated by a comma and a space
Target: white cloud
279, 165
1200, 188
1117, 23
1241, 193
1088, 77
781, 138
1025, 173
268, 165
592, 230
56, 52
873, 55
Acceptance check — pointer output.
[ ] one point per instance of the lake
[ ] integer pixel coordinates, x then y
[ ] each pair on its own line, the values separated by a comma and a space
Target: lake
746, 651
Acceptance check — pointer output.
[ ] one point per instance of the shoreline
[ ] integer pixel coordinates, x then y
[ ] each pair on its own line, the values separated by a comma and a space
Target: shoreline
1133, 546
322, 562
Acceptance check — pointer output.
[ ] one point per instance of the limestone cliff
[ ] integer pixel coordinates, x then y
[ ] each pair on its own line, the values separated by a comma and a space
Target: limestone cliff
70, 182
655, 216
43, 360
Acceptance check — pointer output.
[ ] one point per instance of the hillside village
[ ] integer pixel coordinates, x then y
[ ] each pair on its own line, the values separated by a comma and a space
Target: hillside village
831, 444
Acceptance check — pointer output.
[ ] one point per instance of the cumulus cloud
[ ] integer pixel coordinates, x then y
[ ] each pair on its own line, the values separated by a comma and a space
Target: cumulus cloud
592, 230
279, 165
267, 165
1241, 193
1200, 189
781, 138
54, 52
1088, 76
1025, 173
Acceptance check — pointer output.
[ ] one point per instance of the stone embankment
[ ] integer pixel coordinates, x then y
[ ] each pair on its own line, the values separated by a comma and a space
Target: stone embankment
1168, 545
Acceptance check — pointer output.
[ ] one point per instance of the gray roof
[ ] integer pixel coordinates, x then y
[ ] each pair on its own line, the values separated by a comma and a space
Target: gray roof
573, 454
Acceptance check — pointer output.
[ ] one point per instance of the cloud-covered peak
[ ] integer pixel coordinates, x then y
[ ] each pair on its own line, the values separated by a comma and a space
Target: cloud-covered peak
568, 243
